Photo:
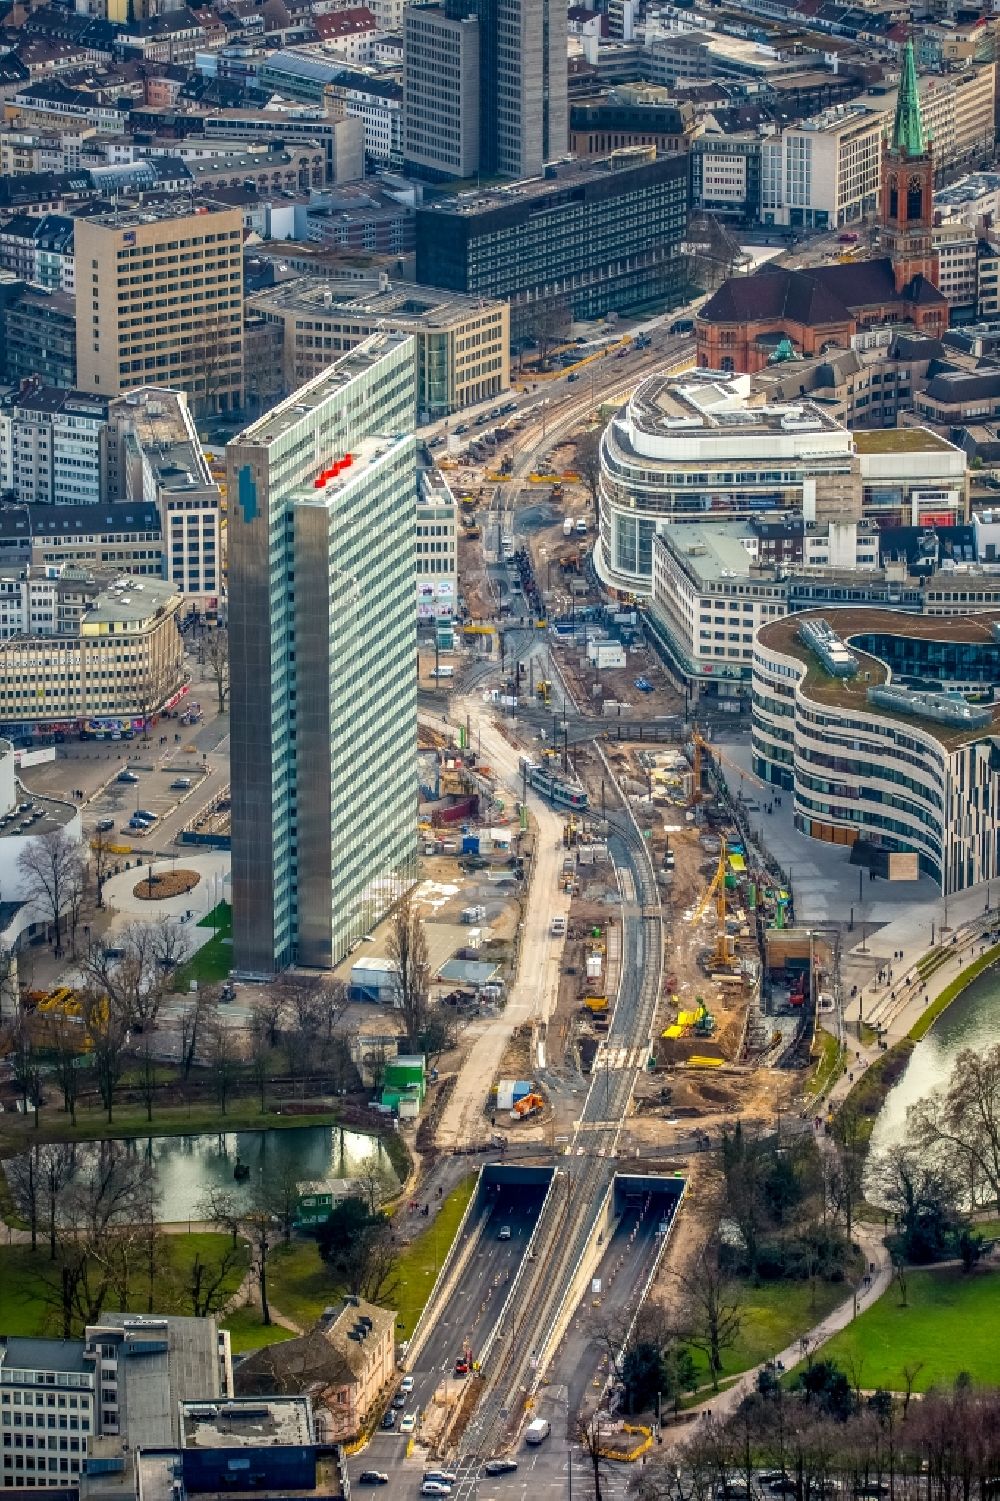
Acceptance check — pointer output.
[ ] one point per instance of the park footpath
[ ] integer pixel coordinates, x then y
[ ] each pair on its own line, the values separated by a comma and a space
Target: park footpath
890, 994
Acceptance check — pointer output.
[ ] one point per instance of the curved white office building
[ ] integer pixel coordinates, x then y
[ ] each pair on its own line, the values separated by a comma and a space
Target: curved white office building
869, 718
691, 448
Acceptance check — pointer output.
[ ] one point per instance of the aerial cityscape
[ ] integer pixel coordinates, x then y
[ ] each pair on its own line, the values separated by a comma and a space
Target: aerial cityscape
499, 750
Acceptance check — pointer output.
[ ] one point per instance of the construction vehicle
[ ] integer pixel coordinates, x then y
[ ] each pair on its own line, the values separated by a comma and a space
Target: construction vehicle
704, 1022
530, 1105
596, 1004
543, 691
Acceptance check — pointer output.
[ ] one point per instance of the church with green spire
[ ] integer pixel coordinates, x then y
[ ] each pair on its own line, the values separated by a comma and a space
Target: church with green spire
908, 186
783, 312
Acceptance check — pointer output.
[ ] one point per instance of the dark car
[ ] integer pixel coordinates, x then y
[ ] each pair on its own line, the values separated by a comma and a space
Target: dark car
105, 825
500, 1466
126, 776
373, 1477
389, 1421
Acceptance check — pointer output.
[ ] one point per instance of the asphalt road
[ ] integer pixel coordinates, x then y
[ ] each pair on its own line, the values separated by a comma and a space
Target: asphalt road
471, 1313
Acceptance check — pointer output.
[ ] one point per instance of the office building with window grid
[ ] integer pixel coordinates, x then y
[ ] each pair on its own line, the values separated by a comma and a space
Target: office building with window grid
322, 640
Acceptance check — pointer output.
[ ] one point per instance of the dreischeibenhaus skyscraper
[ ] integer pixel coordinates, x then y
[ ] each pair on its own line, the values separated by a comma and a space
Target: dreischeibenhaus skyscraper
322, 642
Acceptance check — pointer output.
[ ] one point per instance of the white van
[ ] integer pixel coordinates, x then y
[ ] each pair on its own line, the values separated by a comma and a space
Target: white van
558, 926
537, 1431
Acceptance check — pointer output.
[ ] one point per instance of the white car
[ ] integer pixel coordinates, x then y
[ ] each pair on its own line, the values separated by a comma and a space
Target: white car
406, 1385
504, 1233
409, 1423
435, 1488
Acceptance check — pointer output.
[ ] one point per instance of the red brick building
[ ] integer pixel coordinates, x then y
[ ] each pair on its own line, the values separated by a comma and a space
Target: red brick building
740, 327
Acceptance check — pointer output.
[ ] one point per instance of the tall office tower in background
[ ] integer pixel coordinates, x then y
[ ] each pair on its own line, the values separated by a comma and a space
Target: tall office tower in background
322, 642
485, 87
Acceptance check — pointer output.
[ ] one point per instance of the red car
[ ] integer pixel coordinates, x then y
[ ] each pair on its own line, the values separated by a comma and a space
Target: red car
461, 1367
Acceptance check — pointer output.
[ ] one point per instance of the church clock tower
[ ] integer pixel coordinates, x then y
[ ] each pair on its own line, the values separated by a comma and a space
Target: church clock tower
908, 187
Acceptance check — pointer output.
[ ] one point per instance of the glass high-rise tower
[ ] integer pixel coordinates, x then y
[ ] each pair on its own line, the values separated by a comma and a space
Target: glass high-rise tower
322, 643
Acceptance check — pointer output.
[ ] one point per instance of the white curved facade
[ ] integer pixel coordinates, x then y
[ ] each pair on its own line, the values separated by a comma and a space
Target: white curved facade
692, 449
903, 783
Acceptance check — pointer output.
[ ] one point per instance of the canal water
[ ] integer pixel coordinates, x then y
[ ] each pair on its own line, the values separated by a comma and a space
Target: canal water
971, 1021
187, 1167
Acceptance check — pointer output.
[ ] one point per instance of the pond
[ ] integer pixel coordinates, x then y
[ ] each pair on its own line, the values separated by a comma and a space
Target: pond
971, 1021
187, 1167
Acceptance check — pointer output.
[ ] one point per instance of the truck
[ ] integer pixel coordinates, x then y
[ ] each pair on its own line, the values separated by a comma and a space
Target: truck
537, 1431
567, 526
558, 927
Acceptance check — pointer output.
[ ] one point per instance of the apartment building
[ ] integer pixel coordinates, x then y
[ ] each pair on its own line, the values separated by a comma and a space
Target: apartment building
119, 538
461, 344
322, 639
155, 457
108, 650
341, 140
160, 300
54, 440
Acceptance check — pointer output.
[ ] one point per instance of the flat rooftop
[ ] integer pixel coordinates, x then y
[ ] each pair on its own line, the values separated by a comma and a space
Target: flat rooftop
154, 213
901, 440
290, 412
564, 175
709, 553
260, 1422
130, 600
42, 1354
689, 404
852, 693
406, 306
168, 438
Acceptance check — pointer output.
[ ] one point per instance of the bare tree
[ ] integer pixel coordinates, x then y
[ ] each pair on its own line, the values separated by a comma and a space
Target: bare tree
49, 866
209, 1278
105, 1216
56, 1162
588, 463
217, 661
102, 858
280, 1197
195, 1022
222, 1207
407, 948
260, 1054
23, 1181
106, 1023
222, 1061
589, 1435
258, 1227
961, 1123
9, 988
548, 325
134, 972
714, 1311
66, 1041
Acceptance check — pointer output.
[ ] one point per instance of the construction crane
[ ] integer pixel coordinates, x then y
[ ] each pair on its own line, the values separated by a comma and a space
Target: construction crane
716, 884
700, 744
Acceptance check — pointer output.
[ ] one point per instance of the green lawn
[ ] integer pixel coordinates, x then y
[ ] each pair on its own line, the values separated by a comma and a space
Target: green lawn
214, 960
829, 1063
774, 1314
29, 1300
299, 1283
246, 1331
420, 1261
950, 1325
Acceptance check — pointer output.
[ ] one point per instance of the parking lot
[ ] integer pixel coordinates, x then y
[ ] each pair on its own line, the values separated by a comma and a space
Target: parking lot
155, 789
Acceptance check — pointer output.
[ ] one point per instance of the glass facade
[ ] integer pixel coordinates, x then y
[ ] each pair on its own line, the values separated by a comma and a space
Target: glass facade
322, 660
